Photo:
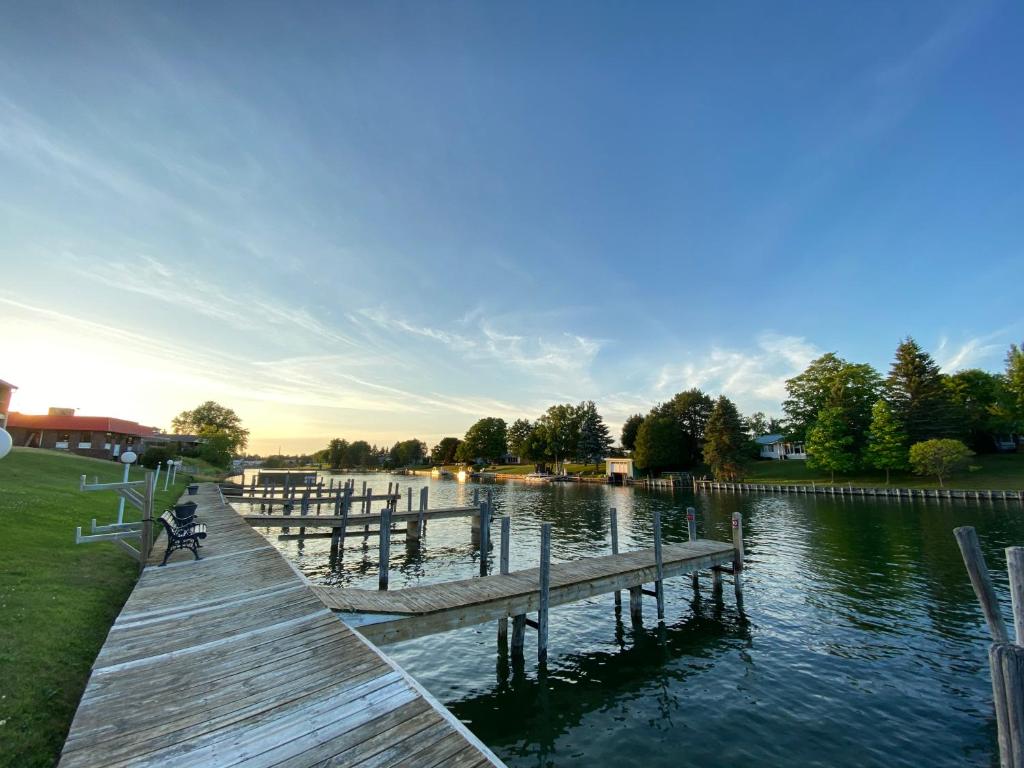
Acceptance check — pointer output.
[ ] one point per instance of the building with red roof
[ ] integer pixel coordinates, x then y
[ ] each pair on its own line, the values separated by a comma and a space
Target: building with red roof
62, 430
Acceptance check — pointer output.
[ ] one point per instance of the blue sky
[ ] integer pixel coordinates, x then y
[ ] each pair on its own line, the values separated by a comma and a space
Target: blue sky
386, 220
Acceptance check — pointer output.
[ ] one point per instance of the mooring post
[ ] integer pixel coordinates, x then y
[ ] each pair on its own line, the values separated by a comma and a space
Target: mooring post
970, 549
338, 534
545, 586
385, 547
691, 532
503, 566
476, 497
614, 525
659, 584
636, 604
518, 635
485, 534
737, 558
1015, 569
424, 500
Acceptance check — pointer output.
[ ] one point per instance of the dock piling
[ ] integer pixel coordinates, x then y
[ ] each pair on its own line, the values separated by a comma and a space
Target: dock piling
614, 525
691, 531
970, 549
659, 584
485, 534
384, 547
503, 569
737, 564
545, 586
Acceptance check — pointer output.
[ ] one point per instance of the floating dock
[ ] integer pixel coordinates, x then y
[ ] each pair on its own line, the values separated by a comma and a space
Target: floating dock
234, 661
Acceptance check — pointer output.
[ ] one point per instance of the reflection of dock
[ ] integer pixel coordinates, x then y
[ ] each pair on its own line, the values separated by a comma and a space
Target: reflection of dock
384, 616
231, 660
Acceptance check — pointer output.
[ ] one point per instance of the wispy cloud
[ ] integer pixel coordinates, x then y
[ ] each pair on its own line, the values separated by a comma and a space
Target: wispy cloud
970, 353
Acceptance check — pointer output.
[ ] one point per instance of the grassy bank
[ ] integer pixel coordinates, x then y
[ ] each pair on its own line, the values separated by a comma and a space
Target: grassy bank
1002, 471
57, 599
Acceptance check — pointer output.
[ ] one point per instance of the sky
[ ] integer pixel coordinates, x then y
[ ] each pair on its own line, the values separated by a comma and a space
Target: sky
387, 220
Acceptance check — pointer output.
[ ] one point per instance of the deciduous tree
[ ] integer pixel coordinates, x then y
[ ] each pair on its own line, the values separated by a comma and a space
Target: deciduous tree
829, 443
487, 440
887, 444
517, 434
657, 444
629, 430
212, 419
445, 451
939, 457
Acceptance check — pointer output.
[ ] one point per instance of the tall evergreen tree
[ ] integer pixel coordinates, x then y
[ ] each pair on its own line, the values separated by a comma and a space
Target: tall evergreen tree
918, 396
887, 445
830, 444
595, 439
725, 441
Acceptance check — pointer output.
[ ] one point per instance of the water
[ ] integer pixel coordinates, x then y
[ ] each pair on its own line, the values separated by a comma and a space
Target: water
860, 642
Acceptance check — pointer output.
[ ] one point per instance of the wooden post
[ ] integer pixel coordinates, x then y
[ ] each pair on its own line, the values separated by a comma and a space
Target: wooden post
1015, 569
1006, 662
518, 635
636, 604
659, 584
384, 547
545, 586
691, 532
485, 535
737, 559
503, 566
614, 524
338, 534
146, 533
970, 549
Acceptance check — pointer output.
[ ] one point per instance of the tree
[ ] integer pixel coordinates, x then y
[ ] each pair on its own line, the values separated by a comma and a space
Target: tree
758, 425
629, 430
562, 430
536, 446
487, 440
939, 457
690, 410
212, 419
360, 454
595, 439
337, 451
725, 441
217, 448
917, 395
444, 452
887, 445
831, 382
829, 443
1014, 384
517, 434
406, 453
657, 444
979, 400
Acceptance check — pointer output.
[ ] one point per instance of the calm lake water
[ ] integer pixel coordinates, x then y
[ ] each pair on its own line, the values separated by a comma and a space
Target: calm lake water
860, 642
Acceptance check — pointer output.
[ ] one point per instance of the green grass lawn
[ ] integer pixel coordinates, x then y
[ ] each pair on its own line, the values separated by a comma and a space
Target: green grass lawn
999, 471
57, 599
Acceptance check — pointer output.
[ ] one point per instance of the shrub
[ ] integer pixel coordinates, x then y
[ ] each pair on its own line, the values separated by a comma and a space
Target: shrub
939, 457
154, 456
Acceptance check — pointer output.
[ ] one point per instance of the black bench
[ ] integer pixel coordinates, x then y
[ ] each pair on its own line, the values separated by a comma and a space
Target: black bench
182, 534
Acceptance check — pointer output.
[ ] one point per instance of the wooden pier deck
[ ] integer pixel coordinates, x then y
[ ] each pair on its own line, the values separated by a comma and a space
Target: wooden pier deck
354, 519
234, 661
419, 611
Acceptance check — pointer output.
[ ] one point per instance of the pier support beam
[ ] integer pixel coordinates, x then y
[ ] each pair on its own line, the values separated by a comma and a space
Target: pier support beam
506, 528
636, 605
614, 524
545, 587
737, 563
659, 584
518, 635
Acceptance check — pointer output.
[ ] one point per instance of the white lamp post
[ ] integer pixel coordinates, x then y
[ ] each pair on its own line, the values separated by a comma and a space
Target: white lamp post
126, 458
5, 442
167, 476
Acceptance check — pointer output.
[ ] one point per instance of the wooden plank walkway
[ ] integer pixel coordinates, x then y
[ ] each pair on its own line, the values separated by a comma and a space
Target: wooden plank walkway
419, 611
234, 661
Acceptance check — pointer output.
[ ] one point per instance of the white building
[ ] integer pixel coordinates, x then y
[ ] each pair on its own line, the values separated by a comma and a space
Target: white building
777, 447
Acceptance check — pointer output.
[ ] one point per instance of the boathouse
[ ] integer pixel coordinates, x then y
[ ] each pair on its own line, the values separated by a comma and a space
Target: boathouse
619, 470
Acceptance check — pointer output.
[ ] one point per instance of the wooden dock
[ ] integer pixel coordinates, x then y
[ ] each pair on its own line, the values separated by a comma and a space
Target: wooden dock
234, 661
419, 611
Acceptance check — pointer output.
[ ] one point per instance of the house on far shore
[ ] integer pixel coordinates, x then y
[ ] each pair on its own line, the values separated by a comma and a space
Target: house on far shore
6, 390
102, 437
777, 447
509, 458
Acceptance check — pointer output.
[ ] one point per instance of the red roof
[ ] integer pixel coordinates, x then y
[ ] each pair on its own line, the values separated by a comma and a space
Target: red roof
79, 424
